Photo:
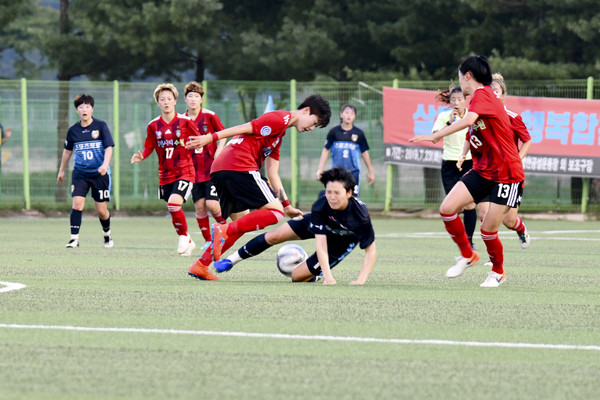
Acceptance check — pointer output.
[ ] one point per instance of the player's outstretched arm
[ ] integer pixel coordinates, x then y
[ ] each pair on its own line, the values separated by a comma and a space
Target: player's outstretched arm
467, 121
195, 142
367, 267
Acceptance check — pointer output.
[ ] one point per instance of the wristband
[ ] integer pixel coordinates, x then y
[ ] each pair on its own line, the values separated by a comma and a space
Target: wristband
285, 203
215, 137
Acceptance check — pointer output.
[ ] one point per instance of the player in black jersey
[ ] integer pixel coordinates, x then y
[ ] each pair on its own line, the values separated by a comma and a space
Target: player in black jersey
338, 222
92, 143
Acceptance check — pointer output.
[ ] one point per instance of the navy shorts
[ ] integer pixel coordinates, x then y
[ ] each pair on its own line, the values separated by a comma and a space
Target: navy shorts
99, 185
241, 190
204, 190
508, 194
337, 247
180, 187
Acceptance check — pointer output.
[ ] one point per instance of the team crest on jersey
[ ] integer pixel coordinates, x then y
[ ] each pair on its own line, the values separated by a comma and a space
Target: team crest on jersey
178, 133
205, 128
95, 134
354, 137
158, 134
265, 131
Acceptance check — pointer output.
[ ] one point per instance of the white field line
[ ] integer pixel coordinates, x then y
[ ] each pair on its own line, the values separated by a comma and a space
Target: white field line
436, 342
8, 286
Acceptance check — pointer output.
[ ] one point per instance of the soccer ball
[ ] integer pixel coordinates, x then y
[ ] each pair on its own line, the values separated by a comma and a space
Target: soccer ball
288, 257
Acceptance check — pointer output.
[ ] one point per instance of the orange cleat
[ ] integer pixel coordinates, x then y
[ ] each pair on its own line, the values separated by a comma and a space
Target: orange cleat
219, 234
200, 271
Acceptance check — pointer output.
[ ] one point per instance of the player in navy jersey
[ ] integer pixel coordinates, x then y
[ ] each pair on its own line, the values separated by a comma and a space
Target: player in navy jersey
347, 144
237, 177
168, 134
92, 143
338, 221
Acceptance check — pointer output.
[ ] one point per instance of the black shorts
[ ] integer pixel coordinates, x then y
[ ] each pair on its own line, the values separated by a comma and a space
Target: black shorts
451, 174
508, 194
180, 187
241, 190
204, 190
99, 184
337, 247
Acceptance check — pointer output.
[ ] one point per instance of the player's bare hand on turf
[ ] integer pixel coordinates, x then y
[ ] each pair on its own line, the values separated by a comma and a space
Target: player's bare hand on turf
195, 142
292, 212
137, 157
329, 281
357, 283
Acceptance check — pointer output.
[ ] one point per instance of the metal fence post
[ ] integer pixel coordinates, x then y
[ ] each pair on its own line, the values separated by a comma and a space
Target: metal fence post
25, 132
294, 149
585, 188
116, 149
387, 205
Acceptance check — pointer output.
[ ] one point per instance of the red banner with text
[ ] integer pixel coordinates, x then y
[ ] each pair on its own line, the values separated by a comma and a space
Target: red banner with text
565, 132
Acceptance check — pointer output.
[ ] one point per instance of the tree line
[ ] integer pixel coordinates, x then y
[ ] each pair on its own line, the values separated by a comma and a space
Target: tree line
284, 39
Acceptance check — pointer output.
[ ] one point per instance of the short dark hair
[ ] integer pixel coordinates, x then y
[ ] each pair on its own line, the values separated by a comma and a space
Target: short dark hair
319, 106
83, 98
479, 67
193, 86
339, 174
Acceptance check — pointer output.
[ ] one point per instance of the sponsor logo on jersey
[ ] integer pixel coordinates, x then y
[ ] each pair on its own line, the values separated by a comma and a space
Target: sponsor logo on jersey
265, 131
95, 133
354, 137
168, 131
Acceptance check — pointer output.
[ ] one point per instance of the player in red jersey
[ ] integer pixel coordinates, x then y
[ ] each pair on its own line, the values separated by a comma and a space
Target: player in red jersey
204, 193
168, 134
511, 220
236, 174
497, 169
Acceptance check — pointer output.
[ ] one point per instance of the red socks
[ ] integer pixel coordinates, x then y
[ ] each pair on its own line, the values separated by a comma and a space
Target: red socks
254, 221
178, 218
494, 249
456, 229
219, 218
204, 226
519, 226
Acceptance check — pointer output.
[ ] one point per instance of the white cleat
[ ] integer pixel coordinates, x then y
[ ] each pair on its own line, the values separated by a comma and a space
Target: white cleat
494, 279
524, 239
73, 243
188, 251
462, 263
184, 242
108, 242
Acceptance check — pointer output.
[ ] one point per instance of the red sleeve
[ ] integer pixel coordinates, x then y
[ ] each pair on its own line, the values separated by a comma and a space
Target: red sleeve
520, 129
270, 123
149, 143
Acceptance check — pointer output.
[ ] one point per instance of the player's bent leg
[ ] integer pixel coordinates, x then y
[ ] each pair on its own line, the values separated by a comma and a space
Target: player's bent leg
282, 234
301, 273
